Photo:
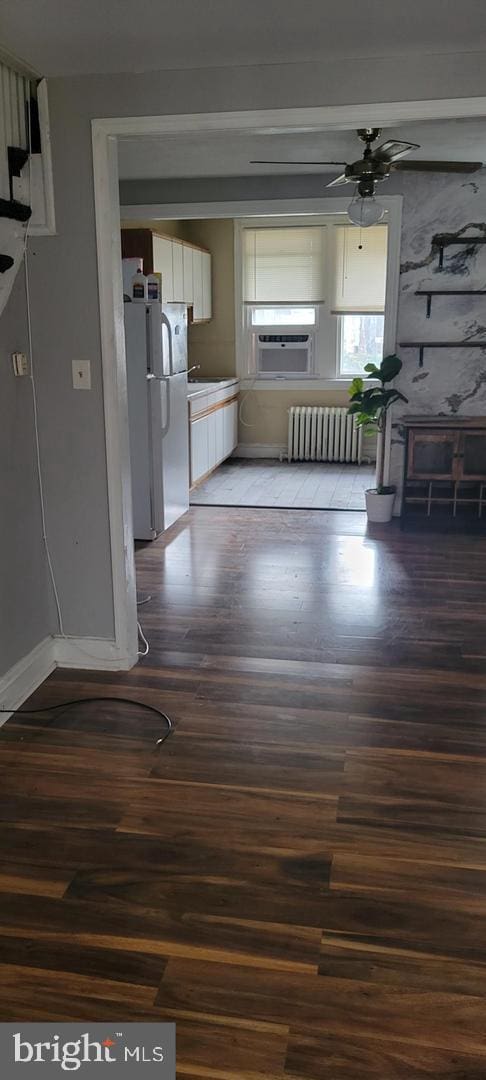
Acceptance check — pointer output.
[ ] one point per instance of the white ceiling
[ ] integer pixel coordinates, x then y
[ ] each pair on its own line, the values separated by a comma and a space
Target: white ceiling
69, 37
229, 154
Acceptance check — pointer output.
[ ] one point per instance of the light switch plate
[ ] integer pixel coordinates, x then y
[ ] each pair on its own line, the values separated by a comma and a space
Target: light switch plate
81, 375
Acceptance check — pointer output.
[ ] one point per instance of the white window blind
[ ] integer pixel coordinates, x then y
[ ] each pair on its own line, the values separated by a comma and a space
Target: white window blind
283, 265
359, 270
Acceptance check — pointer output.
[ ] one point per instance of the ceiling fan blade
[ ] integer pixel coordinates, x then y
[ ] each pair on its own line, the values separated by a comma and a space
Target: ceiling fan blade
343, 179
297, 162
393, 149
438, 166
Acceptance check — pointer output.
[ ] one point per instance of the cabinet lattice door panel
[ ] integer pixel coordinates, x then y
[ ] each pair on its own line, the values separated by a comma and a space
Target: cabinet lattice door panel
432, 455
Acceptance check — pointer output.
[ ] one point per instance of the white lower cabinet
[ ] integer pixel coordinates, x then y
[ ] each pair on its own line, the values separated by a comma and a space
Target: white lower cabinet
199, 448
230, 428
213, 438
219, 435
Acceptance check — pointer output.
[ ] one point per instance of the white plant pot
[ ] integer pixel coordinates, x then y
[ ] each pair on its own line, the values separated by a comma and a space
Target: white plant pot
379, 507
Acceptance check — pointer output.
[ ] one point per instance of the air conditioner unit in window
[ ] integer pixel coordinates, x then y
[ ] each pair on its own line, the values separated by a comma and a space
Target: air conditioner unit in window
285, 355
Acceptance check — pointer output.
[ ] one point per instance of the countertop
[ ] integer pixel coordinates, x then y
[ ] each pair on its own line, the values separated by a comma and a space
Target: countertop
205, 388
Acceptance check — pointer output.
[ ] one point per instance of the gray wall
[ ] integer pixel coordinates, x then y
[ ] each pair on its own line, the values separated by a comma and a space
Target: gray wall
26, 613
64, 275
209, 189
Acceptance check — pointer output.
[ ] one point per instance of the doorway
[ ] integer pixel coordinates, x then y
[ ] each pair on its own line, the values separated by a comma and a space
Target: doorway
107, 205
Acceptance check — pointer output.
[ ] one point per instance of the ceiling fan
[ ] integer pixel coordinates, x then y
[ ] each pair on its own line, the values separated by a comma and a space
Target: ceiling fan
376, 165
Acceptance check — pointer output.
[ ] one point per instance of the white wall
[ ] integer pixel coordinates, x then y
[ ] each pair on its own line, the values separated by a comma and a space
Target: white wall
64, 275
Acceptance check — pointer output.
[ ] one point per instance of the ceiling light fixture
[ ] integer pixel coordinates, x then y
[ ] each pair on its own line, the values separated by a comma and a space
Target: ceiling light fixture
364, 210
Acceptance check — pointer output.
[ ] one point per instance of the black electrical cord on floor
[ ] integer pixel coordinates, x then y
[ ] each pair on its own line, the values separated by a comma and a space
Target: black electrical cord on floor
90, 701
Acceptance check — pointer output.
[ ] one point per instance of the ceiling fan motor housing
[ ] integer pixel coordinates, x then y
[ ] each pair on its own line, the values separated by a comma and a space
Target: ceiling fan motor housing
365, 173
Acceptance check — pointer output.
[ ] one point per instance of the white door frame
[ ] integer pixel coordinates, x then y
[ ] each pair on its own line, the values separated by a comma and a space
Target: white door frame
107, 208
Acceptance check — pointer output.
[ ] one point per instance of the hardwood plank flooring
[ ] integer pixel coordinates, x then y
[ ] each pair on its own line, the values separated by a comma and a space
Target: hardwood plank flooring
297, 877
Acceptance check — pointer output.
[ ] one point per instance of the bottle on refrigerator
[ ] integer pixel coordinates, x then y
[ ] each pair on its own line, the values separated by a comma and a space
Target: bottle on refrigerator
139, 286
154, 286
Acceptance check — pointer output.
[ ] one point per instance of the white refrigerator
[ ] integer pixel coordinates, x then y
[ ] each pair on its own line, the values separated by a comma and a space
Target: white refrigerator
156, 351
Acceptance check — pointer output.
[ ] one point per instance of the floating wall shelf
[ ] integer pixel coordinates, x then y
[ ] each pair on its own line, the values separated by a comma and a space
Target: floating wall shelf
429, 293
421, 345
444, 240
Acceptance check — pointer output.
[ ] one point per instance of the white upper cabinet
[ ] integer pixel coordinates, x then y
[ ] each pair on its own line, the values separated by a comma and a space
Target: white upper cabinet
197, 269
178, 272
162, 251
185, 268
188, 274
207, 306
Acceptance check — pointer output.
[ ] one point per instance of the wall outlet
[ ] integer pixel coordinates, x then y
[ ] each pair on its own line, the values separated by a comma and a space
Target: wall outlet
20, 364
81, 375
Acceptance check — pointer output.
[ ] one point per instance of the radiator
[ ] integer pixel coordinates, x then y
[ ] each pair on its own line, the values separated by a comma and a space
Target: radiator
317, 433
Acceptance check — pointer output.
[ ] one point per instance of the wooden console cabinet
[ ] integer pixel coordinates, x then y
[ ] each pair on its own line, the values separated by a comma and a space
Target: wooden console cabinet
445, 473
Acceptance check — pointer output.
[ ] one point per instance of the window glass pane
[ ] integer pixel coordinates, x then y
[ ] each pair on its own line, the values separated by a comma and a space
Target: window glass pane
283, 316
361, 342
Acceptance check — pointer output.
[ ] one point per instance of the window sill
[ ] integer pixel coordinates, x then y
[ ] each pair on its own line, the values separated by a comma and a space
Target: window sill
296, 384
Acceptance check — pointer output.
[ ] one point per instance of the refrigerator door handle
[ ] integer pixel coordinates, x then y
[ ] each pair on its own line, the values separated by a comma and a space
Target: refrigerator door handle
163, 379
168, 326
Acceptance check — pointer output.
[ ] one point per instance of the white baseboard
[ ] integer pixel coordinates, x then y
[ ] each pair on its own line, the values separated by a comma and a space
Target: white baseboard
27, 674
100, 654
260, 450
24, 677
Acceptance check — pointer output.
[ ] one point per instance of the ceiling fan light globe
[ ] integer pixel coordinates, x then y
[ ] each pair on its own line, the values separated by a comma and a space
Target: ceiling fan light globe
365, 211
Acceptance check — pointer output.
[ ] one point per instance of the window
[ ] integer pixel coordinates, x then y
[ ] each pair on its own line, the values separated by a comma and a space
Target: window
360, 342
282, 340
312, 298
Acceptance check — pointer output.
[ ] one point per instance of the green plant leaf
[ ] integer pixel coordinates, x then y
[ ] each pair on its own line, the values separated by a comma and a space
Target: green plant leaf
373, 371
356, 387
389, 368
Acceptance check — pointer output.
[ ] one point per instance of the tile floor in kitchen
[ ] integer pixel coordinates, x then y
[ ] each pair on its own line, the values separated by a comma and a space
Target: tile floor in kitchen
305, 485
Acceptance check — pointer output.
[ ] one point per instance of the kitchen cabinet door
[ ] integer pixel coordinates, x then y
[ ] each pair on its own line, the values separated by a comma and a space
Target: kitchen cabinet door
219, 427
178, 272
472, 455
199, 432
188, 274
162, 250
230, 436
207, 305
197, 312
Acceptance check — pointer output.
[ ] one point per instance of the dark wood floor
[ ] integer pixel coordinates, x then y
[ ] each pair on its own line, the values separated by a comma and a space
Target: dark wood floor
298, 877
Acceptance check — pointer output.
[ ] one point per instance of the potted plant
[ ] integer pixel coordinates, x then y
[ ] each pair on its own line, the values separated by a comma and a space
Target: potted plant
370, 407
